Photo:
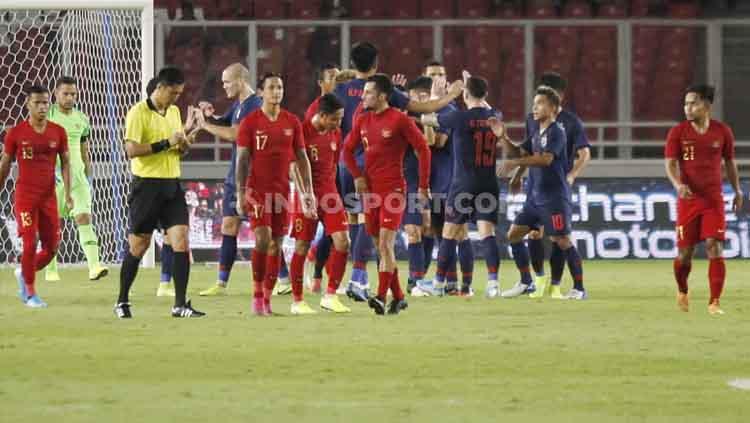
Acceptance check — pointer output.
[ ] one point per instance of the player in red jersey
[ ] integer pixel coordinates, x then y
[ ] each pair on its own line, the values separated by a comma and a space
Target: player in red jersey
385, 134
322, 141
326, 78
36, 144
694, 151
269, 139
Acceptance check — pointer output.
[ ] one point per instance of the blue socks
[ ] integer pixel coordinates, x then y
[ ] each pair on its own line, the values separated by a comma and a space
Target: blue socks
446, 255
575, 267
536, 251
227, 255
416, 261
428, 243
167, 258
521, 256
556, 264
466, 259
491, 256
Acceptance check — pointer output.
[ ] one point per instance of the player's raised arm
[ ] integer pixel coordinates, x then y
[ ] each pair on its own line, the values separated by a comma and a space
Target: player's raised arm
454, 91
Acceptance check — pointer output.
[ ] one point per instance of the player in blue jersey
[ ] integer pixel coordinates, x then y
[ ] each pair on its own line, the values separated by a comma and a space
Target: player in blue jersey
364, 58
236, 82
548, 201
579, 153
474, 191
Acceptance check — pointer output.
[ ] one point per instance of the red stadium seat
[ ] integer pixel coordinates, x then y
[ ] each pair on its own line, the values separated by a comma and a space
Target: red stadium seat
436, 9
365, 9
473, 9
268, 9
541, 9
403, 9
508, 11
308, 9
577, 9
683, 9
612, 11
639, 8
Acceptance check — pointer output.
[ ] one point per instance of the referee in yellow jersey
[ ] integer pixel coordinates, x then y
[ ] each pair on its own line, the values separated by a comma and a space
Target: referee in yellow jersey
154, 142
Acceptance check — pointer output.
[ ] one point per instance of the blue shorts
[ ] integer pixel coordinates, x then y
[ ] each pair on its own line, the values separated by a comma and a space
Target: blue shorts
229, 201
554, 217
437, 211
348, 192
473, 205
413, 212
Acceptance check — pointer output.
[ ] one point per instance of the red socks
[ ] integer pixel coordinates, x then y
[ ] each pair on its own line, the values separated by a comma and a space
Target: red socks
272, 273
259, 272
384, 282
681, 272
296, 273
716, 274
396, 286
336, 266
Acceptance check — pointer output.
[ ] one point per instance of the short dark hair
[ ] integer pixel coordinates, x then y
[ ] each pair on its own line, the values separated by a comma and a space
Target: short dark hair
423, 83
477, 86
322, 70
65, 80
329, 104
552, 95
364, 56
704, 91
434, 63
171, 76
151, 86
382, 83
36, 89
268, 75
554, 81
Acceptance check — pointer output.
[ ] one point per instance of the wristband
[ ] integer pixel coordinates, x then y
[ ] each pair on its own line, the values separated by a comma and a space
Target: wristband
159, 146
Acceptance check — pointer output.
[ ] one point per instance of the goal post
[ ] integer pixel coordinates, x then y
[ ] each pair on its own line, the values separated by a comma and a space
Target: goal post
108, 47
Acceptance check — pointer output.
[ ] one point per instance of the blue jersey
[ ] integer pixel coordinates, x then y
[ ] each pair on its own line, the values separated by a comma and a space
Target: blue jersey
350, 94
234, 116
548, 184
441, 173
473, 147
575, 135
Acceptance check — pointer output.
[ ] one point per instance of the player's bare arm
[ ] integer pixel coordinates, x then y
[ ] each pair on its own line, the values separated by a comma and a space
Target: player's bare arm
240, 176
135, 149
734, 179
673, 173
583, 155
228, 133
308, 196
5, 161
65, 170
85, 157
454, 91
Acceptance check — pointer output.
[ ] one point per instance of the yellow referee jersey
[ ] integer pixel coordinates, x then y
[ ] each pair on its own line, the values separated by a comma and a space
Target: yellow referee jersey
145, 125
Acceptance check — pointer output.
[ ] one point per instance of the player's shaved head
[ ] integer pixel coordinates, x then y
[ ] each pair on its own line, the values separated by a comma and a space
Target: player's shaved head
238, 71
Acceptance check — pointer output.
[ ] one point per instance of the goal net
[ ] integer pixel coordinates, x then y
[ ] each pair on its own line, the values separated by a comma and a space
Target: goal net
102, 50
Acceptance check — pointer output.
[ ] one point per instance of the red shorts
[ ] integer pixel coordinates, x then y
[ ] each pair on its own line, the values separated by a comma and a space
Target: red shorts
384, 211
696, 225
268, 210
330, 212
38, 215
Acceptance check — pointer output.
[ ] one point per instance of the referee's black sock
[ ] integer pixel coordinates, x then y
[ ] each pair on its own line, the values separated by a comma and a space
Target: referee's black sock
180, 273
128, 271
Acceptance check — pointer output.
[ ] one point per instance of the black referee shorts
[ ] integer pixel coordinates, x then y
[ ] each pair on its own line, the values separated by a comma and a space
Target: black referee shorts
156, 202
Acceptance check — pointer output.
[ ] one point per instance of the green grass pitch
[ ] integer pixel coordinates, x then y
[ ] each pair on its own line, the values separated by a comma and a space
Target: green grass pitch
625, 355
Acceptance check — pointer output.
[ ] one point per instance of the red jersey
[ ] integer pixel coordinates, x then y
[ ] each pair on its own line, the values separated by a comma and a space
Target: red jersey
36, 155
313, 108
272, 146
700, 156
385, 137
323, 152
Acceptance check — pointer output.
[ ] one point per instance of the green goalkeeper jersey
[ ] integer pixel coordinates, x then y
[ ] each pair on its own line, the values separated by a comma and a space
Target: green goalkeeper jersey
78, 128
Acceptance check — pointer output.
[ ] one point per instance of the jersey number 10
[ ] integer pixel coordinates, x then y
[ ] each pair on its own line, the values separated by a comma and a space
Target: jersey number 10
484, 148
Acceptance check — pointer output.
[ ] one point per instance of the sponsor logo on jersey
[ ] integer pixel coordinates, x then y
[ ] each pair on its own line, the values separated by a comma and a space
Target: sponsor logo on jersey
543, 141
386, 133
288, 132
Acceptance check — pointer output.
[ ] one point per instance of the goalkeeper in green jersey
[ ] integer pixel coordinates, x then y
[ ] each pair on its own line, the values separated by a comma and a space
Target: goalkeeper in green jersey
78, 128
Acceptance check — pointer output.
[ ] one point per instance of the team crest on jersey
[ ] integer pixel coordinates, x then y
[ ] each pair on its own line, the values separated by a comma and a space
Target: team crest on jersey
716, 144
543, 141
333, 145
288, 132
53, 144
386, 133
